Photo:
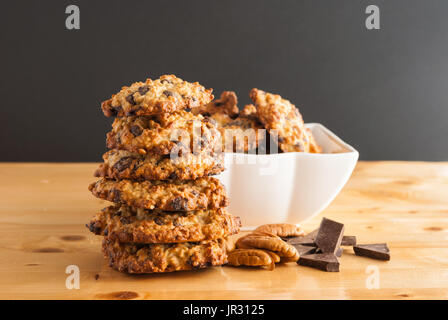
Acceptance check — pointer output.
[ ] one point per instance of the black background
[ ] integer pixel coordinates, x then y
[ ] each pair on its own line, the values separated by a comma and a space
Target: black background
383, 91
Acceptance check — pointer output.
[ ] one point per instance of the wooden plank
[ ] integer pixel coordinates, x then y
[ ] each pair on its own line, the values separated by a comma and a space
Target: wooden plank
43, 209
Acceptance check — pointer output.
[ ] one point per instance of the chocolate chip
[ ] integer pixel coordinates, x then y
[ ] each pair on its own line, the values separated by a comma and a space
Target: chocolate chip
179, 204
125, 220
123, 163
218, 104
158, 221
143, 89
188, 109
115, 110
130, 99
173, 176
132, 112
166, 81
136, 130
94, 228
106, 232
116, 195
299, 145
133, 250
168, 93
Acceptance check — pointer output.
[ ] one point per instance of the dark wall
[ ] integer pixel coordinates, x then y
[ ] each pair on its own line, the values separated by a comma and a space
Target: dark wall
383, 91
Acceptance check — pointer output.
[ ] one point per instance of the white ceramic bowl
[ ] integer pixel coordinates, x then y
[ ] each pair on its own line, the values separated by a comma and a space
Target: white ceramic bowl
287, 187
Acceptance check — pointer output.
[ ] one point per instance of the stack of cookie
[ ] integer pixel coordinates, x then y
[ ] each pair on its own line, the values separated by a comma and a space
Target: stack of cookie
169, 214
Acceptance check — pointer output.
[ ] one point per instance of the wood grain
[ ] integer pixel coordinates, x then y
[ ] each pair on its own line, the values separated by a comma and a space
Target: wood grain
43, 209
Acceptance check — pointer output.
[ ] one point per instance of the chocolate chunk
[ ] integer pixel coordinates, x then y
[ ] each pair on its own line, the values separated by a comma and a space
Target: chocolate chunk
348, 241
130, 99
158, 221
115, 110
132, 112
323, 261
307, 240
136, 130
143, 89
94, 228
173, 176
123, 164
168, 93
106, 232
116, 195
125, 220
378, 251
304, 250
179, 204
329, 237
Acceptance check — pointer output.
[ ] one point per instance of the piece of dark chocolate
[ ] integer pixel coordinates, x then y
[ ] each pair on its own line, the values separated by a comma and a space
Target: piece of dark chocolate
323, 261
348, 241
307, 240
329, 236
378, 251
304, 250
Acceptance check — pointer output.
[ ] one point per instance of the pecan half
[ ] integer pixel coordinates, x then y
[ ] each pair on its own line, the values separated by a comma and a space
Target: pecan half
285, 251
250, 257
281, 230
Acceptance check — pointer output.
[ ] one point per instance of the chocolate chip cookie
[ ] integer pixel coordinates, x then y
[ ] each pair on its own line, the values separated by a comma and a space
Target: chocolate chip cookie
163, 133
127, 224
150, 258
122, 164
171, 195
164, 95
239, 130
280, 116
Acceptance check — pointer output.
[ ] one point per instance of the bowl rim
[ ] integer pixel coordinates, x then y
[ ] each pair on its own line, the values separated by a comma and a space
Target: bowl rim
331, 135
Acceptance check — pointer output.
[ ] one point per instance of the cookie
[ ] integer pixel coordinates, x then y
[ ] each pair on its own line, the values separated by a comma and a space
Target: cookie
127, 224
151, 258
281, 116
227, 104
241, 135
239, 131
164, 95
249, 110
171, 195
122, 164
163, 134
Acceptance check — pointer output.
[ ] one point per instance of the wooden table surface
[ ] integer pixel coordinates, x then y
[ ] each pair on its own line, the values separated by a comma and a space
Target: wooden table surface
44, 207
